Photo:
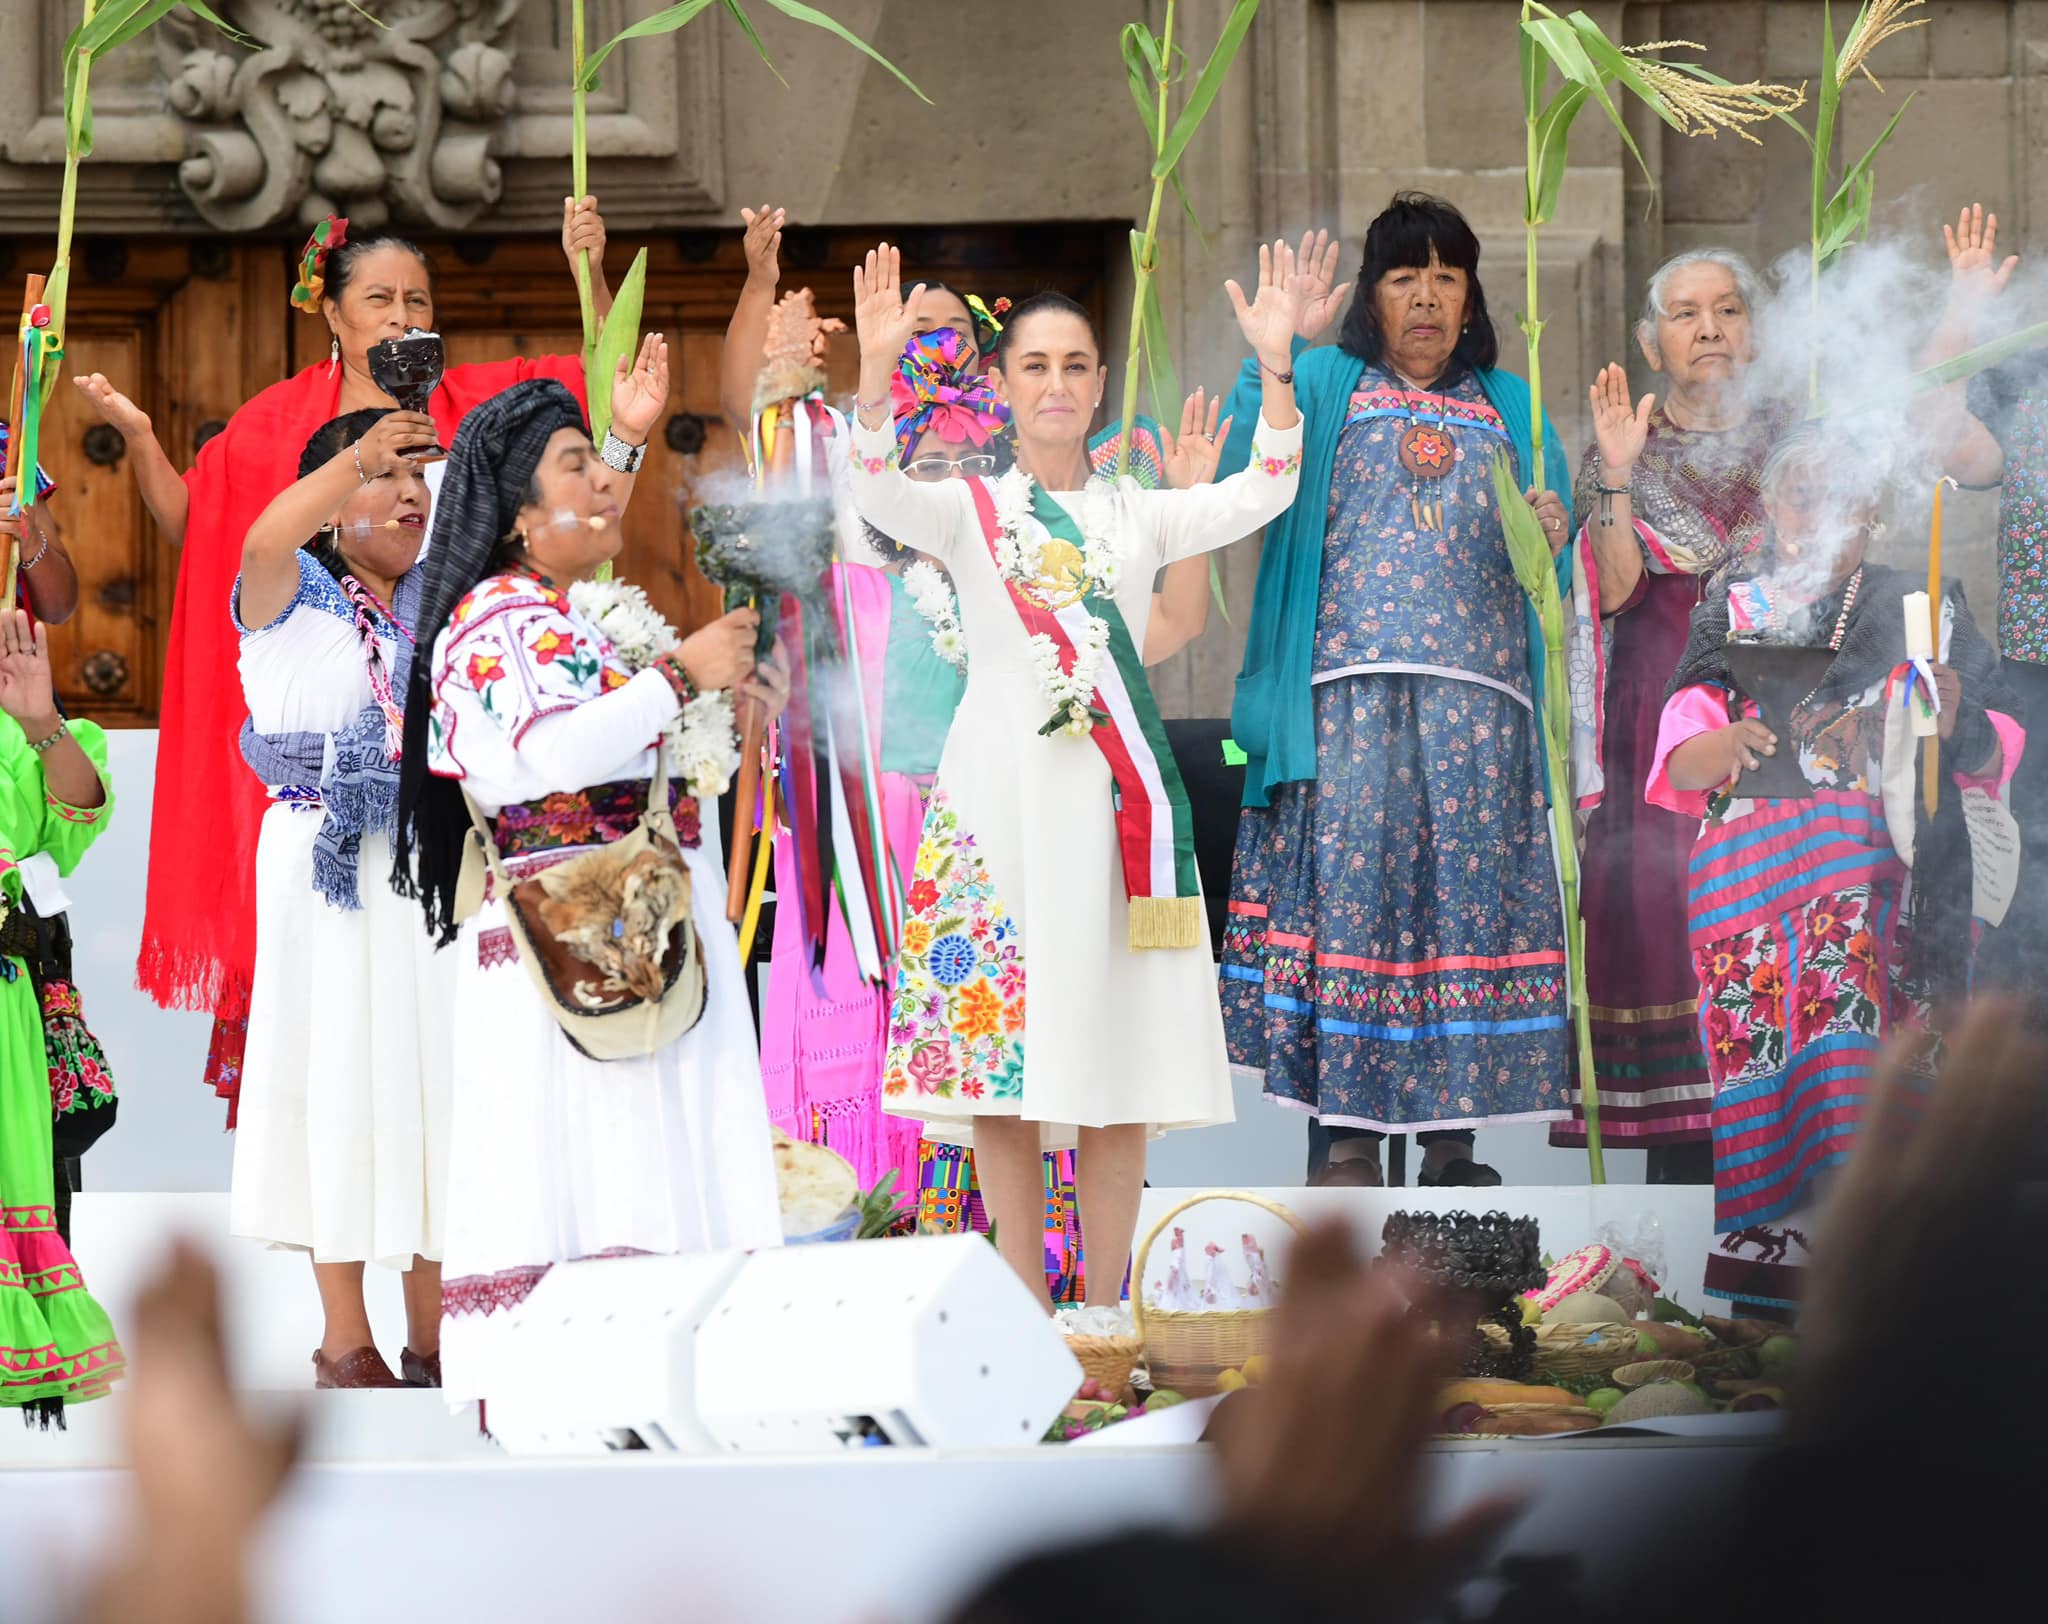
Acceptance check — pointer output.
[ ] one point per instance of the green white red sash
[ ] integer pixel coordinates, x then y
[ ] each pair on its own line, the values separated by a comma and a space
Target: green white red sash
1155, 829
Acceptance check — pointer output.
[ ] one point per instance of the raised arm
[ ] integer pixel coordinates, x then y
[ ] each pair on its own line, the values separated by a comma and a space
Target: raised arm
1969, 450
583, 232
929, 518
49, 580
162, 486
746, 335
1180, 608
639, 397
270, 551
1620, 432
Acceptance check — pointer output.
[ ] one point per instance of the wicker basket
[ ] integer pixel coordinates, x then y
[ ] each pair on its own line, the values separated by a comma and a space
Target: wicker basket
1567, 1351
1187, 1351
1107, 1359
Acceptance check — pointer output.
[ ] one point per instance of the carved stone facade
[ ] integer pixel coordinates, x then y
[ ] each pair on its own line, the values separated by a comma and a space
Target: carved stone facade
455, 121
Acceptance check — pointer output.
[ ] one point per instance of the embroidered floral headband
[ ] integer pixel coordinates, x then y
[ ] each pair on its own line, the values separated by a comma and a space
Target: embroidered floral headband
327, 236
932, 389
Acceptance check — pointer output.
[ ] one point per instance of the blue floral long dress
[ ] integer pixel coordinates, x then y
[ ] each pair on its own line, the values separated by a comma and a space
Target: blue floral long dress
1395, 953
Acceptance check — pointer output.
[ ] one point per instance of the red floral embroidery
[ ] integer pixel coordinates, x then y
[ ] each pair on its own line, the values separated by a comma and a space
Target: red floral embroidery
1813, 1007
484, 668
924, 896
1728, 1041
550, 644
1767, 980
931, 1067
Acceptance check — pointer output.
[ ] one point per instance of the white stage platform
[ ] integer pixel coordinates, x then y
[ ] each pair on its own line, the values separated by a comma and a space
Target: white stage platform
404, 1512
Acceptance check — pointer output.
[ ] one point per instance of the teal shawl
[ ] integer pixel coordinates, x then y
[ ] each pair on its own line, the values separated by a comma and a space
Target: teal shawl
1273, 718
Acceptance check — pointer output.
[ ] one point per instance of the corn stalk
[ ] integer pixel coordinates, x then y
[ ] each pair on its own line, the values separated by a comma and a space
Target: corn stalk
1692, 102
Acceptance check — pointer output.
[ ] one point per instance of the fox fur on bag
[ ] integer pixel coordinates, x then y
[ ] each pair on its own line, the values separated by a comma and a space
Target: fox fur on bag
617, 913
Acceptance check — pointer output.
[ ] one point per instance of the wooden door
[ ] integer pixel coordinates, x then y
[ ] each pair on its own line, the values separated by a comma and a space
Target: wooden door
193, 329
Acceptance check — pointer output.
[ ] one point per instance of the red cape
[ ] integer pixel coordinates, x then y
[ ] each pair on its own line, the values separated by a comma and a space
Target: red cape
199, 931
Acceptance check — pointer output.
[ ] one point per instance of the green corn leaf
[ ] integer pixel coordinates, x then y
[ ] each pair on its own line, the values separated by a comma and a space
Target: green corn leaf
797, 11
56, 294
1567, 48
662, 22
1159, 374
1534, 73
1145, 92
739, 15
1619, 66
1196, 108
618, 340
1216, 590
1861, 168
1845, 218
1973, 361
1553, 129
1137, 37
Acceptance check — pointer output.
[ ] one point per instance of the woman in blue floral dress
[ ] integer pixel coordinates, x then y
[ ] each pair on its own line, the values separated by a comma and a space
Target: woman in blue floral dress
1395, 953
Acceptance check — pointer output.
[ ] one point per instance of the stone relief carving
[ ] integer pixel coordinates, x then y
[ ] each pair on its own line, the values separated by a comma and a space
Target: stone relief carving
331, 114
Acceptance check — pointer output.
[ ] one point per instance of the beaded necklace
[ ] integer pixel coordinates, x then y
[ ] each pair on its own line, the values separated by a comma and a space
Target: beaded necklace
369, 610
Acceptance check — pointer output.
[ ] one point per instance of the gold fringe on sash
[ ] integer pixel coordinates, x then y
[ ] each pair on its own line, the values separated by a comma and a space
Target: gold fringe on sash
1165, 922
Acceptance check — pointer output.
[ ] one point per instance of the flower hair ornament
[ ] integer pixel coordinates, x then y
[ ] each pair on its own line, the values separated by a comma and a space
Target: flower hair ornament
311, 287
932, 389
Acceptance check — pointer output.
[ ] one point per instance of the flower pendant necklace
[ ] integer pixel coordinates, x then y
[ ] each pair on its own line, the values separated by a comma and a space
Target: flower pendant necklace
1429, 451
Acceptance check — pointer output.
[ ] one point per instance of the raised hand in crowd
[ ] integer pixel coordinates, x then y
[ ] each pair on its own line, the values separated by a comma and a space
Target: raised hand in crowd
583, 232
885, 318
1619, 429
763, 245
1976, 274
163, 489
1192, 455
746, 335
1318, 257
640, 390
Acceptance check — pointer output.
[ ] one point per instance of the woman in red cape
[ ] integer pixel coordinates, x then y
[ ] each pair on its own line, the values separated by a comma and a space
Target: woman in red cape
199, 928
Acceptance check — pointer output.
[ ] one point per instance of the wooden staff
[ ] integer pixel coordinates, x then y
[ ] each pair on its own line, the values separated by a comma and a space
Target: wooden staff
32, 295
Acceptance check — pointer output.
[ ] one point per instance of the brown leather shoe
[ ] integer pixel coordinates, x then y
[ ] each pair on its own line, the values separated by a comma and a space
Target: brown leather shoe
363, 1368
421, 1370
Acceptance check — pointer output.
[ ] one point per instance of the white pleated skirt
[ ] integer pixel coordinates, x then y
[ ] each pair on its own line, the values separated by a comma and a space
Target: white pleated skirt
342, 1147
557, 1156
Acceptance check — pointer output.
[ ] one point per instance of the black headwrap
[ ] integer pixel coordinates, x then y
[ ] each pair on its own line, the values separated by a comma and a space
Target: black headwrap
1873, 643
498, 446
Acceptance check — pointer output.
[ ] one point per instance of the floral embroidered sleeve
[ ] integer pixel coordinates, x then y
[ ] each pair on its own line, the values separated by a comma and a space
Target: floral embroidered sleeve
515, 662
1184, 524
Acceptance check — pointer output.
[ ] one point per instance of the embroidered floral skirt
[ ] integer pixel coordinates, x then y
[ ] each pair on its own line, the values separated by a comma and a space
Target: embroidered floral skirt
1395, 953
56, 1343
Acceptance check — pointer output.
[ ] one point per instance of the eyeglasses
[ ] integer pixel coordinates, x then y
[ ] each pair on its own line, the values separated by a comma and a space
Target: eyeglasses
931, 470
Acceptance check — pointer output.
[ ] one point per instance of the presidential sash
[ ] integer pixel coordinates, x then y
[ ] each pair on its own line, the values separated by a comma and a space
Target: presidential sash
1155, 829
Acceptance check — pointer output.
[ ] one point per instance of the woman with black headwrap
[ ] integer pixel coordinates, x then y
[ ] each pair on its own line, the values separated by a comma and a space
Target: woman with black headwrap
532, 710
1827, 919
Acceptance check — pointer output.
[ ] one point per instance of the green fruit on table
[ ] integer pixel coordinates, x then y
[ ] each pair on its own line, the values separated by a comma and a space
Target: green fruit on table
1603, 1399
1165, 1399
1777, 1351
1648, 1345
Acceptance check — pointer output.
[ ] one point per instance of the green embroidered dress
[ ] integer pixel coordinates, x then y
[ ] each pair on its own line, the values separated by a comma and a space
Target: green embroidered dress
56, 1342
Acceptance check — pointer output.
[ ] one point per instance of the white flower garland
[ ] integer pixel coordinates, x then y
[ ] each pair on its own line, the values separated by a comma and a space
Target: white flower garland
702, 748
1068, 693
933, 598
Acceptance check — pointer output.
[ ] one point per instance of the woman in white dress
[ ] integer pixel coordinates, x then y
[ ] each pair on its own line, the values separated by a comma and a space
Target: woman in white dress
531, 709
343, 1138
1058, 834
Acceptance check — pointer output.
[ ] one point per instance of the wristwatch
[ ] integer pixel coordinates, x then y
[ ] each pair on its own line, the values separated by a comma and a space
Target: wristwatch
618, 455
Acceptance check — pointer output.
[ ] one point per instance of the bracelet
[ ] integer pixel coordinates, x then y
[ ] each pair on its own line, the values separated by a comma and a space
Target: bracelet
40, 551
1607, 495
358, 450
1282, 377
63, 732
621, 457
865, 406
670, 665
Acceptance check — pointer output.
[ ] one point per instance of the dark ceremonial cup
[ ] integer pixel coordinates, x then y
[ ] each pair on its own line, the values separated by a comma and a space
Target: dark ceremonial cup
1482, 1264
757, 551
409, 370
1778, 676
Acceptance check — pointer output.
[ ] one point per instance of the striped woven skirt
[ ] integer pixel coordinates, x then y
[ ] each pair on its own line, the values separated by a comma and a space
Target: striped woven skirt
1797, 938
1395, 951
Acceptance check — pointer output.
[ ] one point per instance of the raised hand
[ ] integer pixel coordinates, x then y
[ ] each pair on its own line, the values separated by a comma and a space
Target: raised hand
1270, 319
114, 407
763, 244
582, 230
1191, 457
1975, 271
1318, 259
640, 392
26, 693
1619, 429
391, 445
884, 319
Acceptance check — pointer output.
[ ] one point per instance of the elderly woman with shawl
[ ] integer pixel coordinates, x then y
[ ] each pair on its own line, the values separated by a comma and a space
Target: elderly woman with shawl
1667, 490
1395, 958
1823, 923
521, 705
199, 924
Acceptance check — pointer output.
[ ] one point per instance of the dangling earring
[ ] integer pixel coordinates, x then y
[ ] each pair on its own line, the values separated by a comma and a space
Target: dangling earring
333, 354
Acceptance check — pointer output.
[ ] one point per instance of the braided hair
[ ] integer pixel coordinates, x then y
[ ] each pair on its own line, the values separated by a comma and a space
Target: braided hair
490, 476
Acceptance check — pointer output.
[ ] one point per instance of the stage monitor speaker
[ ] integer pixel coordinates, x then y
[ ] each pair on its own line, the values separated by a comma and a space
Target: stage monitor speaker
924, 1341
601, 1356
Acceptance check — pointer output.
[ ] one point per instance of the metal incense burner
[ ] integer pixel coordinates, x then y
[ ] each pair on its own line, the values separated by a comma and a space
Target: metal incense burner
1778, 676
